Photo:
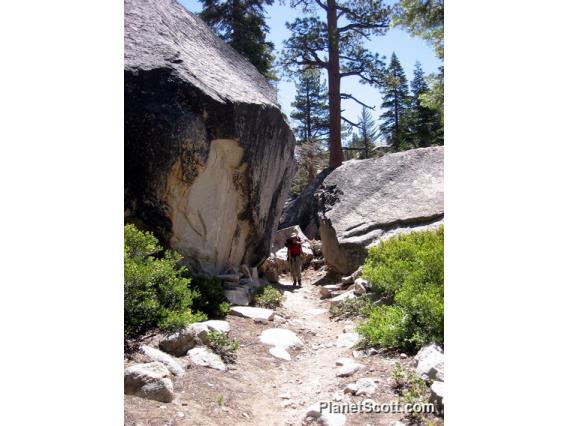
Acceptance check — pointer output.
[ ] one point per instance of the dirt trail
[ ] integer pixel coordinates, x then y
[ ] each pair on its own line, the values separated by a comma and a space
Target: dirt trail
253, 391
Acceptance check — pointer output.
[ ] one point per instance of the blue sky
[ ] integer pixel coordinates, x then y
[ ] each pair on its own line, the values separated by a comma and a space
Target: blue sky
408, 49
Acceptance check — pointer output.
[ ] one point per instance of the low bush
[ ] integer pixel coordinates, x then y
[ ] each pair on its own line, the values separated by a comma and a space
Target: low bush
411, 389
268, 297
155, 292
211, 299
357, 307
223, 346
410, 269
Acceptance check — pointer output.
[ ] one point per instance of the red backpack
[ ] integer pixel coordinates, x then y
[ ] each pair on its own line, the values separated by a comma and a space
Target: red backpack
294, 246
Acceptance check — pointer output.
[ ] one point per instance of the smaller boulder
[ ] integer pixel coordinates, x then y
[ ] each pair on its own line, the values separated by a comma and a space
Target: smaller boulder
347, 340
280, 352
252, 312
281, 337
358, 288
342, 297
157, 355
325, 293
179, 343
150, 380
205, 358
347, 280
430, 362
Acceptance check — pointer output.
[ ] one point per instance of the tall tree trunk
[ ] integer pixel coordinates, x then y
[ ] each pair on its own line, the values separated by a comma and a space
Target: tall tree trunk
335, 151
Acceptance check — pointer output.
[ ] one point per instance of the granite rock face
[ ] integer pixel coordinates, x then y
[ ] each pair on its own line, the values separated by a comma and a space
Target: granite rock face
208, 153
365, 201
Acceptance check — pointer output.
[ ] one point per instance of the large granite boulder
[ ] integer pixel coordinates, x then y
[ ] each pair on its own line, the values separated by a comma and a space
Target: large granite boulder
365, 201
208, 153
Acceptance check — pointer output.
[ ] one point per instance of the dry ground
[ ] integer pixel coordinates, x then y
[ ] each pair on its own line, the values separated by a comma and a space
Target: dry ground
250, 392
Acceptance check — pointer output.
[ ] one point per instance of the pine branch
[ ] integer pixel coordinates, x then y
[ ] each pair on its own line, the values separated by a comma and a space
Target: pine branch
358, 125
348, 96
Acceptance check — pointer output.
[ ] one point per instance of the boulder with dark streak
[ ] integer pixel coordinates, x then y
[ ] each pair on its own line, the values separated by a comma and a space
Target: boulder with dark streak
208, 153
365, 201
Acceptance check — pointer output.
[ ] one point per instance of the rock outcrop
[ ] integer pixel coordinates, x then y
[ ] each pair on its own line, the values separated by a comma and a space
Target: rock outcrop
208, 153
365, 201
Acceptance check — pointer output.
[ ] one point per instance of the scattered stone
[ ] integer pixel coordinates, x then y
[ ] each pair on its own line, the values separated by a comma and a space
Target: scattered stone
150, 380
280, 352
157, 355
325, 293
338, 396
397, 423
349, 370
347, 340
325, 417
205, 358
430, 362
358, 288
365, 386
260, 321
345, 296
285, 395
350, 388
281, 337
218, 325
252, 312
403, 356
347, 280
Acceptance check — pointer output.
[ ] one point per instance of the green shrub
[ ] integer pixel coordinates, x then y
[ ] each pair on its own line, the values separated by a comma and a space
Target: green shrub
410, 268
359, 306
411, 389
268, 297
211, 298
155, 293
223, 346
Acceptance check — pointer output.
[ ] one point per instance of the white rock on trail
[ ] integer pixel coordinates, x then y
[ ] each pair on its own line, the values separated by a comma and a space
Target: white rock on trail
280, 352
348, 367
366, 386
252, 312
281, 337
325, 417
347, 340
218, 325
157, 355
430, 362
205, 358
343, 296
150, 380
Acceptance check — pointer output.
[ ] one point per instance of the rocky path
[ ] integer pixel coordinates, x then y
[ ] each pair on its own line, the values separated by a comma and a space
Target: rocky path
263, 390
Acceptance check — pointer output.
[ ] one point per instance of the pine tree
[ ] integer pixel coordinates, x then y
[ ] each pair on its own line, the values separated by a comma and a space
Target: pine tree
424, 121
396, 103
311, 114
332, 38
310, 107
242, 25
364, 140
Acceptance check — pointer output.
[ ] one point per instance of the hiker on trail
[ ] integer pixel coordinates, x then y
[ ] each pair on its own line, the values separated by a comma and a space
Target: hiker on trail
295, 257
